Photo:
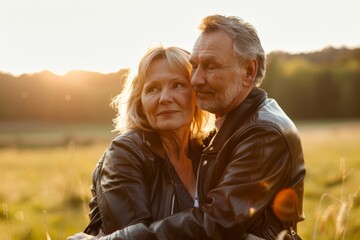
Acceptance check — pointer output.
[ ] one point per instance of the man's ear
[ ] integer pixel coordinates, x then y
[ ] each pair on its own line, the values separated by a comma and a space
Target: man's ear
250, 67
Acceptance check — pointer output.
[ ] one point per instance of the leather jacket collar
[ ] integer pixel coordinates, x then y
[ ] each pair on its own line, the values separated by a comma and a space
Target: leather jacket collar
235, 117
153, 141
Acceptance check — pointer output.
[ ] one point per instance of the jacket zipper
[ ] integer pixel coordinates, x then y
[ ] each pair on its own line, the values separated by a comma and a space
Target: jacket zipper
172, 202
172, 209
196, 201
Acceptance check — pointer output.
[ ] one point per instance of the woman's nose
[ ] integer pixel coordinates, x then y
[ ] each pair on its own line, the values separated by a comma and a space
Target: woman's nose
165, 95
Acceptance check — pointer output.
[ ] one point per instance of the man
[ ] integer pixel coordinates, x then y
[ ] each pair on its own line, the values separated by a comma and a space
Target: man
250, 180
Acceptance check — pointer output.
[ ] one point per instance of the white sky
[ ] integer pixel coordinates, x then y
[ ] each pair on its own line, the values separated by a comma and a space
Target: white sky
107, 35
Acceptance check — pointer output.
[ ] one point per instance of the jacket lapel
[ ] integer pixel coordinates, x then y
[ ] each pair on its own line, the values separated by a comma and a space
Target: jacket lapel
237, 116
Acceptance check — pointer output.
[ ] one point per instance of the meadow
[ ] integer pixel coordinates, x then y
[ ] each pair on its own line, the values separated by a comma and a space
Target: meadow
45, 175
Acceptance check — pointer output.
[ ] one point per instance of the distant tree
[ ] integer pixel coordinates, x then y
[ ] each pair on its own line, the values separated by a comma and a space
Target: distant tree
316, 85
76, 97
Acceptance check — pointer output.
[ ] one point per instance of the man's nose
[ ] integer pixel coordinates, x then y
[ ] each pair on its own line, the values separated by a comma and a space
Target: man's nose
198, 77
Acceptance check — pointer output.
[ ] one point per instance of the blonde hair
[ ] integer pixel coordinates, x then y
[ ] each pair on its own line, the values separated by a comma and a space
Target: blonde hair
127, 104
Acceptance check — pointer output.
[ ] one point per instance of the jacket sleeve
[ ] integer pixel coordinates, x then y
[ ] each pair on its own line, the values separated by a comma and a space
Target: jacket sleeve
257, 169
122, 189
95, 223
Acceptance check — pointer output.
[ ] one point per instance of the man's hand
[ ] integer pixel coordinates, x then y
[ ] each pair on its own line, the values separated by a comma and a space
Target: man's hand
84, 236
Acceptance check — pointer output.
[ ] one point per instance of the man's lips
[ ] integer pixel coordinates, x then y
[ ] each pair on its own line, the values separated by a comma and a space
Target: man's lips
204, 92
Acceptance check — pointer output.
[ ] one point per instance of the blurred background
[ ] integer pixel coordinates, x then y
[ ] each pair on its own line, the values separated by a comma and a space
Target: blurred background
61, 63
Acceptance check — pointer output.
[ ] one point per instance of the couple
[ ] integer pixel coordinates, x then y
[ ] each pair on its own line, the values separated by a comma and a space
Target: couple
165, 178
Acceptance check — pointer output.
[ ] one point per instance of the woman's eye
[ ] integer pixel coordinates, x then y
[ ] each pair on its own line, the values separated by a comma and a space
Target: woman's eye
151, 89
154, 89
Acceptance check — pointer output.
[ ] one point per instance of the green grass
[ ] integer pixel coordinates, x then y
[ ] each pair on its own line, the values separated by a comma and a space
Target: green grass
45, 189
45, 175
332, 184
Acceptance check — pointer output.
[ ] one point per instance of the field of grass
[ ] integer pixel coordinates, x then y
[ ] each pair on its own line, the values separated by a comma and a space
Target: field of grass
45, 173
332, 186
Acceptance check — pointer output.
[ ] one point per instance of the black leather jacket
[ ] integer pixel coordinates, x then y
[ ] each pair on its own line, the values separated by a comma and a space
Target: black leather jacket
134, 182
256, 153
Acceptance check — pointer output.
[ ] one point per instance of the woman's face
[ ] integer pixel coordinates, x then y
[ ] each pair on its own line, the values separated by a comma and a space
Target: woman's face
167, 97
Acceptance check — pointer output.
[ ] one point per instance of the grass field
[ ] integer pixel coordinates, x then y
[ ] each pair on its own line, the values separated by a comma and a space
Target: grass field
45, 173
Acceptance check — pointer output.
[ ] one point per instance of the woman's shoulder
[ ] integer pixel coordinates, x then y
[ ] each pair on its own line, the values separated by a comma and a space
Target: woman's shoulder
132, 137
130, 141
125, 148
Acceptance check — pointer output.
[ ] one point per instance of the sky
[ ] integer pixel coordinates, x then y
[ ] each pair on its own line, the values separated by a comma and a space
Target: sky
107, 35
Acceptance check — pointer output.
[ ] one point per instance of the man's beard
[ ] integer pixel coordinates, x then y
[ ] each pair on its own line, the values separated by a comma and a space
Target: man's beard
223, 100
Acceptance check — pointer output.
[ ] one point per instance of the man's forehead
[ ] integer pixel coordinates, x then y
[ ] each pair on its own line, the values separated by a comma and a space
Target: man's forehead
204, 55
206, 40
212, 48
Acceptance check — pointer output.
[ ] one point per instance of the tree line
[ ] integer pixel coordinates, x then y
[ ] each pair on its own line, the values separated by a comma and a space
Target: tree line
317, 85
78, 96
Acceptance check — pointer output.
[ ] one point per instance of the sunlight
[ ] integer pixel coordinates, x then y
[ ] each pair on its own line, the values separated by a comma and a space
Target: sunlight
60, 36
60, 71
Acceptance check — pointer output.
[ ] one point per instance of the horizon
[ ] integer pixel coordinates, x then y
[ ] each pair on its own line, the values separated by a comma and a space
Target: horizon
124, 68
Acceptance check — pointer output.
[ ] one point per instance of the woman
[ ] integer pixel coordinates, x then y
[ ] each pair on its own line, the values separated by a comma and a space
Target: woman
148, 172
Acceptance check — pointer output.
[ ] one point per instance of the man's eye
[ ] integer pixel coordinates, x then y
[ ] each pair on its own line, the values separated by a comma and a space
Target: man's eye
211, 66
178, 85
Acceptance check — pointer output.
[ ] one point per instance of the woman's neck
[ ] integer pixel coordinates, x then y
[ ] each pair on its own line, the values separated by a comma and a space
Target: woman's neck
175, 144
176, 147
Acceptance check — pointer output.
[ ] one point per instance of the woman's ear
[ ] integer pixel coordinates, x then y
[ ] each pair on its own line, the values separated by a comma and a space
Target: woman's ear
250, 67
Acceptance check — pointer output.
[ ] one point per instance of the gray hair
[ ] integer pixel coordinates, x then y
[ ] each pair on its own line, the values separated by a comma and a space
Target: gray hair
247, 44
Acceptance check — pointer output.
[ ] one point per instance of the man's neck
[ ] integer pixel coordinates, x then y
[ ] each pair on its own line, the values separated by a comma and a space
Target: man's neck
219, 122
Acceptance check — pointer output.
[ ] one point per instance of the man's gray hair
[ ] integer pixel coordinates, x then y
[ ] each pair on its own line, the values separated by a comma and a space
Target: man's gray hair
247, 44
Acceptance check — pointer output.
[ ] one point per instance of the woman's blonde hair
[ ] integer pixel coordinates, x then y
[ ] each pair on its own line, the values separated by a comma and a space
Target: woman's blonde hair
127, 104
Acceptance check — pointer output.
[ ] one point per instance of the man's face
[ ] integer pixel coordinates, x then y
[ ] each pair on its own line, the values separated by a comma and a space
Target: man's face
217, 76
